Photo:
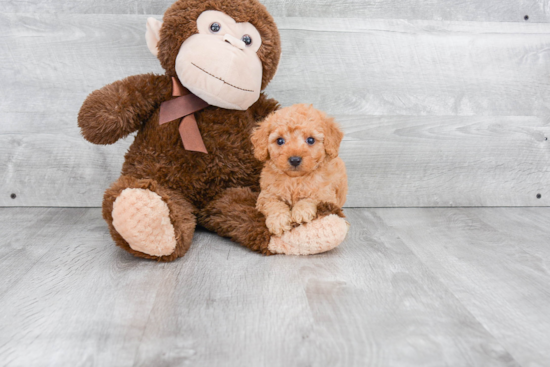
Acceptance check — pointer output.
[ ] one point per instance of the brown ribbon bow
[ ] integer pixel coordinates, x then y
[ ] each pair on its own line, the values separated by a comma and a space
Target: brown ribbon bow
185, 105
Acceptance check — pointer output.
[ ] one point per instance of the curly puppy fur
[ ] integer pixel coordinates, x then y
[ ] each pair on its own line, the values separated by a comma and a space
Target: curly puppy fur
291, 192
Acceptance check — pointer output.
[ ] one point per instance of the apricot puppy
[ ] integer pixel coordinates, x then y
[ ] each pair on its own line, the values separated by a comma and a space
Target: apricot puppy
300, 147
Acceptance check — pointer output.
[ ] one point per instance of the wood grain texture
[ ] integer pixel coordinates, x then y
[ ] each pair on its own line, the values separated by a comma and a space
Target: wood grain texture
465, 10
391, 161
396, 67
369, 302
446, 161
495, 261
29, 237
472, 102
54, 165
380, 67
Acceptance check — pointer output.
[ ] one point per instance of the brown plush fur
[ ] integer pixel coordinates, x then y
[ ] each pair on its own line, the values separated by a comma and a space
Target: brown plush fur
234, 215
291, 194
217, 190
118, 109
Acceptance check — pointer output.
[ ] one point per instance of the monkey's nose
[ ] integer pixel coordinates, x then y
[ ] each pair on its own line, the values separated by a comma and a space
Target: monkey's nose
295, 161
234, 41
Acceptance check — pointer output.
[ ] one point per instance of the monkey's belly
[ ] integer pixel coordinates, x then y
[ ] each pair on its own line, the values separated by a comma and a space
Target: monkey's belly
199, 177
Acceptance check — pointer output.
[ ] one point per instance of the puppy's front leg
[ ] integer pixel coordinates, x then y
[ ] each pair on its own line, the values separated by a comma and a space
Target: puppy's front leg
304, 211
277, 213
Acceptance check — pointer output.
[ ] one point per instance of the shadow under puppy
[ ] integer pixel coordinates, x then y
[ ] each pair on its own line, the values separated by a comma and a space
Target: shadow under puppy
300, 147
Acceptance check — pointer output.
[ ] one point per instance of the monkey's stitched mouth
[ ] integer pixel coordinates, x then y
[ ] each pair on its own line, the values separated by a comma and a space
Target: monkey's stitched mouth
212, 75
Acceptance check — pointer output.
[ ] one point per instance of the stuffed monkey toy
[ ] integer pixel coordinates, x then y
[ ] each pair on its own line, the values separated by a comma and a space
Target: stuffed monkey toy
192, 160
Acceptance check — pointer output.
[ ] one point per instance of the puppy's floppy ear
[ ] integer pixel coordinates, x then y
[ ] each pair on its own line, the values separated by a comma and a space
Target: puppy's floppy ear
333, 135
260, 139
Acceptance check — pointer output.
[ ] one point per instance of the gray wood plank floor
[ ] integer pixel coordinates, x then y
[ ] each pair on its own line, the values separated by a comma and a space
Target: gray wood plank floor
409, 287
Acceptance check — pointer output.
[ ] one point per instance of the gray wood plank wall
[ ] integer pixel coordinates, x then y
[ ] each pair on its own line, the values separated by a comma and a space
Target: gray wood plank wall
465, 10
436, 112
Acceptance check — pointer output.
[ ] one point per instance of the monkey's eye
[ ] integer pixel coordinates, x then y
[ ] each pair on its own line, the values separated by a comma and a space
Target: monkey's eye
280, 141
310, 141
247, 40
215, 27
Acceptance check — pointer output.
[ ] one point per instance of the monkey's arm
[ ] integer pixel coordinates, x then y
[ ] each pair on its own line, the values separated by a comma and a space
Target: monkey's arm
118, 109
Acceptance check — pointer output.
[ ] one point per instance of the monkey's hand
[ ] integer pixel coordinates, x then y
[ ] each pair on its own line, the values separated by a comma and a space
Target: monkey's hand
118, 109
325, 232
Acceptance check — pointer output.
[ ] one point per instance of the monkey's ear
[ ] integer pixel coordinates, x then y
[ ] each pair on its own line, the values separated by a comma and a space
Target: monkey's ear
260, 140
152, 36
333, 136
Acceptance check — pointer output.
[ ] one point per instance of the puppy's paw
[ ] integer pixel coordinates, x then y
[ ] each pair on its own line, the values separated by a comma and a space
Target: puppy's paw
279, 223
303, 212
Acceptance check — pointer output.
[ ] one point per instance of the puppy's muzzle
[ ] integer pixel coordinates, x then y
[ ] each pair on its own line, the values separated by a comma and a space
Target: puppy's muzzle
295, 161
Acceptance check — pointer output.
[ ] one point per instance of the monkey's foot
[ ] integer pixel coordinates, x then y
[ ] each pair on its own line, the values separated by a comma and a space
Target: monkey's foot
142, 218
318, 236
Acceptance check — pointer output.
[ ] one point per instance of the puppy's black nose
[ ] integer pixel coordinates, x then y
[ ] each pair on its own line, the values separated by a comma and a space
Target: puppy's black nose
295, 161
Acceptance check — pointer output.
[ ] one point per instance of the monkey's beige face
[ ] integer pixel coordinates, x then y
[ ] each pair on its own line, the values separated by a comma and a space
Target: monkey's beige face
220, 63
296, 150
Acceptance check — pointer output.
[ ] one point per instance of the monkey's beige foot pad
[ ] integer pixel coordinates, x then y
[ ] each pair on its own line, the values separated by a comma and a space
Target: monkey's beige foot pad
142, 218
316, 237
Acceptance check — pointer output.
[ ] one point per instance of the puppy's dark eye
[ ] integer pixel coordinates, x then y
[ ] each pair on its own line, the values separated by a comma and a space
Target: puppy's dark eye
280, 141
310, 141
215, 27
247, 40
